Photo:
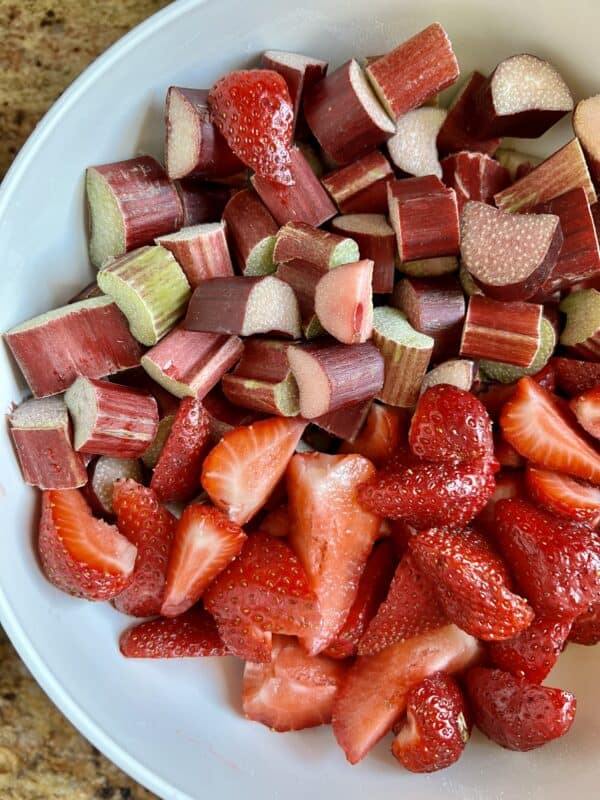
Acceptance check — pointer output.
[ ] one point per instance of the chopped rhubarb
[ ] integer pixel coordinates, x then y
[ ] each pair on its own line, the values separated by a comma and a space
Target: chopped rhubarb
585, 125
429, 267
385, 430
460, 372
251, 232
201, 202
376, 241
360, 187
343, 302
201, 251
104, 471
303, 277
581, 333
456, 133
151, 455
509, 373
474, 176
346, 422
563, 496
517, 163
300, 73
413, 147
299, 241
89, 291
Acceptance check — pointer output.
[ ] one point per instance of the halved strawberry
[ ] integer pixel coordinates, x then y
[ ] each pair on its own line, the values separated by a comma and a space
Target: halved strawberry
586, 628
373, 694
191, 635
276, 522
537, 427
151, 527
562, 495
509, 483
331, 534
533, 652
574, 377
400, 533
242, 470
177, 472
80, 554
206, 541
384, 431
293, 691
586, 407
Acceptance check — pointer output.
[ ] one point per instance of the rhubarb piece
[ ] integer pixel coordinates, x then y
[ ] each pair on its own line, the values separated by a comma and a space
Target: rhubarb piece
151, 455
406, 355
524, 96
507, 332
201, 202
508, 255
251, 232
244, 306
474, 176
585, 125
299, 241
509, 373
190, 363
345, 116
303, 277
104, 471
424, 216
586, 408
201, 251
376, 241
303, 201
309, 151
343, 302
458, 372
41, 434
130, 204
415, 71
564, 496
300, 73
361, 186
384, 431
110, 419
574, 377
331, 376
456, 133
89, 291
429, 267
224, 416
469, 287
559, 173
150, 288
88, 338
346, 422
517, 163
433, 307
413, 147
581, 333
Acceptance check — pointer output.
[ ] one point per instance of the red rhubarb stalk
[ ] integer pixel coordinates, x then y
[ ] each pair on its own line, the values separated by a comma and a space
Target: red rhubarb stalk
201, 251
344, 304
251, 230
585, 124
581, 334
345, 423
303, 277
299, 72
460, 372
413, 147
474, 176
456, 133
376, 241
104, 471
360, 187
299, 241
201, 202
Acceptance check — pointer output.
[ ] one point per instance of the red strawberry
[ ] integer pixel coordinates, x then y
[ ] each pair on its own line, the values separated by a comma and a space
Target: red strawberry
384, 431
429, 494
451, 425
148, 524
400, 534
516, 713
564, 496
331, 534
266, 589
374, 692
254, 112
574, 377
509, 483
372, 589
555, 562
471, 583
80, 554
293, 691
436, 728
535, 424
586, 408
177, 472
533, 652
191, 635
410, 608
276, 522
494, 396
505, 453
206, 541
586, 628
242, 470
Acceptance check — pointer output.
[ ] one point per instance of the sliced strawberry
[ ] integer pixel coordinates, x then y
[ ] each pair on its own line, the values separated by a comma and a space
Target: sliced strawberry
574, 377
586, 628
586, 407
555, 562
150, 527
533, 652
450, 425
564, 496
436, 728
242, 470
331, 534
494, 396
509, 483
191, 635
374, 692
505, 453
264, 589
384, 431
293, 691
410, 608
535, 424
276, 522
254, 112
206, 541
80, 554
516, 713
400, 534
372, 589
177, 472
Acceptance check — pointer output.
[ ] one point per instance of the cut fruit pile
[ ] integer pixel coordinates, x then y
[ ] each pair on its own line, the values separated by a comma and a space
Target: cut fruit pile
332, 404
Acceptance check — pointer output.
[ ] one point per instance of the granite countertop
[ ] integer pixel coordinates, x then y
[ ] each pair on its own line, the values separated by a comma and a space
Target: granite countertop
45, 45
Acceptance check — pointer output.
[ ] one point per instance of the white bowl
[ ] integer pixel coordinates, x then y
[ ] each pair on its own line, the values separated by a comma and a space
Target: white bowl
176, 726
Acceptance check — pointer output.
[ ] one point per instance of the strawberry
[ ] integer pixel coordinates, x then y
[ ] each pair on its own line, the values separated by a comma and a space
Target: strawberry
177, 472
150, 527
436, 728
242, 470
516, 713
254, 112
410, 608
533, 652
586, 407
385, 430
450, 425
564, 496
574, 377
536, 425
428, 494
586, 628
471, 583
494, 396
509, 483
191, 635
400, 534
372, 589
505, 453
80, 554
331, 534
266, 589
293, 691
374, 691
276, 522
206, 541
555, 562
